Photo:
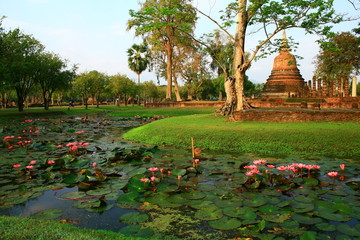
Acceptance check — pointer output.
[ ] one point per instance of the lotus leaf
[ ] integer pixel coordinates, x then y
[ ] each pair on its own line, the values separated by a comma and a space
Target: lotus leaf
311, 182
277, 218
129, 199
346, 229
49, 214
161, 200
343, 237
240, 212
88, 203
308, 236
139, 171
302, 207
119, 185
284, 203
268, 209
73, 178
134, 218
256, 201
322, 205
179, 172
135, 184
73, 195
326, 227
306, 219
98, 192
302, 198
177, 198
211, 213
225, 223
338, 217
194, 195
199, 204
343, 208
228, 203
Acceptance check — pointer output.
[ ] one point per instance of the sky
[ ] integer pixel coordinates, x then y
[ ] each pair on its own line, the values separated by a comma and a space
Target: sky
92, 33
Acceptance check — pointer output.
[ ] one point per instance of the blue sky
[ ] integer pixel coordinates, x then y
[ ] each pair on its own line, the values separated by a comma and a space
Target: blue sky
92, 33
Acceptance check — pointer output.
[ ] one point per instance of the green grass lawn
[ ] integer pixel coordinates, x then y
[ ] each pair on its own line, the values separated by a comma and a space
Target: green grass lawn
334, 139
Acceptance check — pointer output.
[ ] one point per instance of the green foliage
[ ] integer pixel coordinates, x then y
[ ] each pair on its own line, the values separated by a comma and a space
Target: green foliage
138, 58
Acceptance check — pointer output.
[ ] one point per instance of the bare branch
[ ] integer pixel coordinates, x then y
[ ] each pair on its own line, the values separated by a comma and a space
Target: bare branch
352, 2
218, 24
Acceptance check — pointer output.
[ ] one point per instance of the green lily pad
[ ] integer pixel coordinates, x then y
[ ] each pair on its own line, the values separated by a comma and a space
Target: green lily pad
73, 195
338, 217
240, 212
88, 203
303, 199
98, 192
322, 205
119, 185
161, 199
309, 235
343, 208
346, 229
135, 184
311, 182
225, 223
134, 218
211, 213
129, 200
307, 220
49, 214
277, 218
268, 209
256, 201
326, 227
302, 207
194, 195
228, 203
198, 204
178, 172
73, 178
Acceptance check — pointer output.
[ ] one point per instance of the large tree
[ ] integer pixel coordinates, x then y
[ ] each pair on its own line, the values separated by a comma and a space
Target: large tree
164, 24
53, 75
138, 58
271, 16
20, 62
342, 59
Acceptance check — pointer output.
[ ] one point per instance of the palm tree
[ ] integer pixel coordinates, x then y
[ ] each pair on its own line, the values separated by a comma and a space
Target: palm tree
138, 58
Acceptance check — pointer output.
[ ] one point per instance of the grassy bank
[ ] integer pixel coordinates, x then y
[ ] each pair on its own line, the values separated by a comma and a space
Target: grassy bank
28, 229
211, 132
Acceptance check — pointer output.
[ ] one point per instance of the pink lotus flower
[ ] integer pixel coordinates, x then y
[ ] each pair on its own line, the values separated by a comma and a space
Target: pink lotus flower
84, 144
51, 162
260, 161
30, 167
33, 162
10, 147
78, 132
251, 167
144, 179
153, 169
59, 146
74, 148
249, 174
169, 173
281, 168
94, 164
153, 178
342, 166
16, 165
270, 166
332, 174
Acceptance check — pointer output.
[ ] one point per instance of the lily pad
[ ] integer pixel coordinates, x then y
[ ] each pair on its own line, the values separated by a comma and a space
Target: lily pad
225, 223
73, 195
277, 218
256, 201
211, 213
240, 212
346, 229
134, 218
326, 227
49, 214
338, 217
98, 192
307, 220
194, 195
129, 200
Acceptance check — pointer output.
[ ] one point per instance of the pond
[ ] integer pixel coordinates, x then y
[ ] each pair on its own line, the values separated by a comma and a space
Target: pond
80, 171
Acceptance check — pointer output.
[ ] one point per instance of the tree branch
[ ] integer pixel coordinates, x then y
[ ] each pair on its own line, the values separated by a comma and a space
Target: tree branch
218, 24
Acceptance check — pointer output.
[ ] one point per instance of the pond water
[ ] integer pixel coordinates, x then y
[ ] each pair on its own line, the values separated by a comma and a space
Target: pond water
87, 175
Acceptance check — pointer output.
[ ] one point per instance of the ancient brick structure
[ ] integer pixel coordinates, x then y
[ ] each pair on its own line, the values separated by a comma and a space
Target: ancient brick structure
285, 80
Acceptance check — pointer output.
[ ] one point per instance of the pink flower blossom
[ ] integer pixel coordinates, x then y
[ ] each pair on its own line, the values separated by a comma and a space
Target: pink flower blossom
316, 166
33, 162
74, 148
332, 174
16, 165
153, 169
260, 161
84, 144
78, 132
51, 162
59, 146
281, 168
270, 166
251, 167
153, 178
179, 177
94, 164
144, 179
342, 166
250, 173
169, 173
30, 167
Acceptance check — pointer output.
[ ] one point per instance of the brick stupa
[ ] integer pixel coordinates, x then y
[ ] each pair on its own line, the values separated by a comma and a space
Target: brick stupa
285, 80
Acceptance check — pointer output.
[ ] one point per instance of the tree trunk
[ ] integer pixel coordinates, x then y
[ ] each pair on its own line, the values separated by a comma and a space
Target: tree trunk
220, 96
177, 91
169, 55
138, 78
230, 104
